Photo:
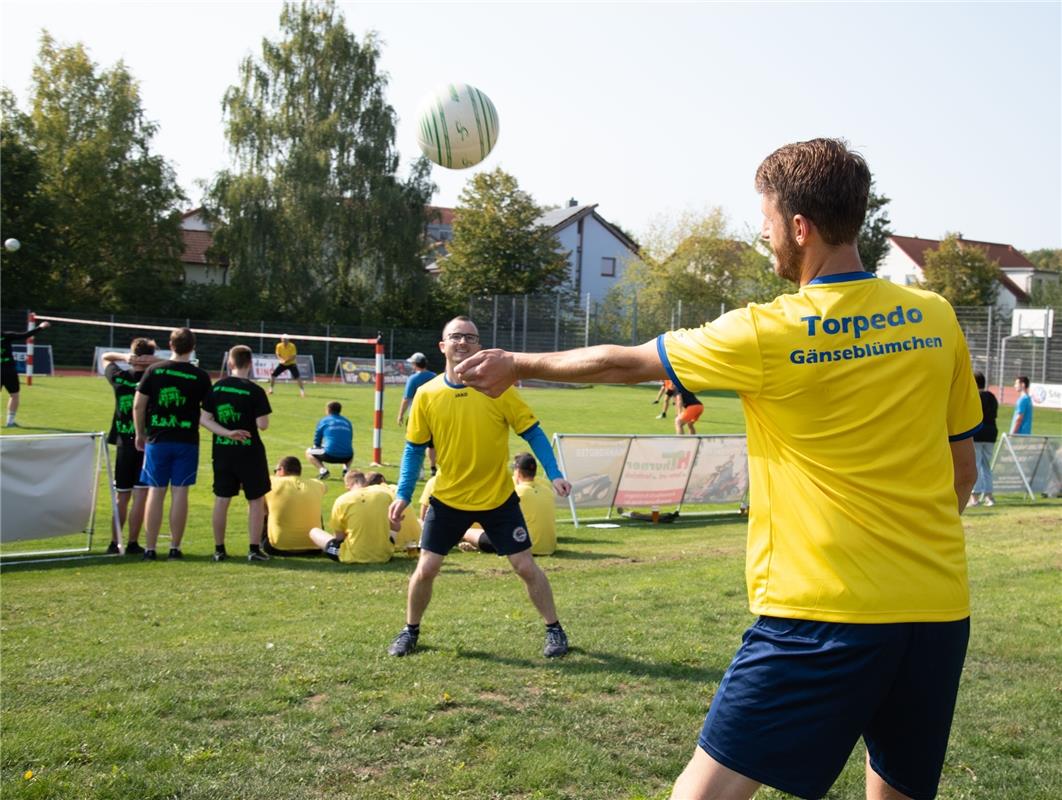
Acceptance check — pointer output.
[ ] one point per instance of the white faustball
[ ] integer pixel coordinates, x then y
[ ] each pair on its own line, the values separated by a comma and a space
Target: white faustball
11, 245
457, 126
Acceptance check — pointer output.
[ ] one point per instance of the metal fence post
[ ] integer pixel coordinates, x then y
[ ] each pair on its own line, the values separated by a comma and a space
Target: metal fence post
328, 332
586, 331
494, 326
556, 324
524, 348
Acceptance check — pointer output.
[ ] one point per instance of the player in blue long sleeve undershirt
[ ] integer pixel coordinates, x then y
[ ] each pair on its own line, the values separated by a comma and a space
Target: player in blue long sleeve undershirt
470, 433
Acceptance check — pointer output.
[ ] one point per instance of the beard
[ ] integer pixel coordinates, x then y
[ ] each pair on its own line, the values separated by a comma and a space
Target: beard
787, 258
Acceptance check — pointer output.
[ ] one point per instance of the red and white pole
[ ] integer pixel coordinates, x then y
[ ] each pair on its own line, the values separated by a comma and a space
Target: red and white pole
29, 350
377, 424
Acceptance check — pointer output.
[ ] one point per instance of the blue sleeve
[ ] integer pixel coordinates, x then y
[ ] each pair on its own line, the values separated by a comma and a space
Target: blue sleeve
540, 446
411, 388
317, 432
412, 459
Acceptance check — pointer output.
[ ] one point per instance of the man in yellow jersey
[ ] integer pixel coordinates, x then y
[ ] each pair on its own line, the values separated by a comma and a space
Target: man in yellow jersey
361, 531
470, 432
293, 507
860, 406
536, 504
287, 361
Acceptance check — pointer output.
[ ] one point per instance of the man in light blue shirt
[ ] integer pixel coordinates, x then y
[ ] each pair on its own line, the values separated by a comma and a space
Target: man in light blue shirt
1021, 422
421, 375
333, 441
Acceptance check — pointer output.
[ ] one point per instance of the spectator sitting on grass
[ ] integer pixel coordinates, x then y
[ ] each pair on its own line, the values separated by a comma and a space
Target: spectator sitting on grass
361, 532
536, 502
293, 507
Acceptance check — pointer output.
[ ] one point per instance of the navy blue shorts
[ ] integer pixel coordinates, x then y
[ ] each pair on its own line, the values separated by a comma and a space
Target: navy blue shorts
170, 464
444, 526
799, 694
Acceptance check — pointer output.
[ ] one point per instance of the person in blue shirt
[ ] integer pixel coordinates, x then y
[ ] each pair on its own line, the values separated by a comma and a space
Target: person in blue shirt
1021, 422
333, 441
421, 375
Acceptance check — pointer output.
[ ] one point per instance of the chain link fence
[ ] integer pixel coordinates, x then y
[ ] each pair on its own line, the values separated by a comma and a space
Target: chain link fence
528, 323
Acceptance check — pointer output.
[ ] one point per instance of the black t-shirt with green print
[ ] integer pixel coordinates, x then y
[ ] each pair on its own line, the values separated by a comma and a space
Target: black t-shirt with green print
175, 392
124, 383
237, 403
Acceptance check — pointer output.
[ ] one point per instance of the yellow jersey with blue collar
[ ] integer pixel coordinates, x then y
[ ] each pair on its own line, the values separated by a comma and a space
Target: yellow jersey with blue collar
470, 433
851, 388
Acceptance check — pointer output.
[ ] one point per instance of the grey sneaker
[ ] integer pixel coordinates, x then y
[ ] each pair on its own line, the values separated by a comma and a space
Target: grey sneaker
556, 643
404, 644
219, 555
257, 555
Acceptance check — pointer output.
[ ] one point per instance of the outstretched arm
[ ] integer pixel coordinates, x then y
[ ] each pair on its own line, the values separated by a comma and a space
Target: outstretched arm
494, 371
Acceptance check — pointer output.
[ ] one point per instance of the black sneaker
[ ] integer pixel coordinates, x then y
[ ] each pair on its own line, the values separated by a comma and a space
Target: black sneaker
174, 553
219, 555
132, 548
323, 475
257, 555
556, 643
403, 644
113, 549
149, 555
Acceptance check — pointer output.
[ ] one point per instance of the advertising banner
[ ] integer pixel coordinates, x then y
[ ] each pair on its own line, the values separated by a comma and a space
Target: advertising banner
265, 363
363, 370
1046, 395
656, 471
593, 466
721, 472
42, 359
1028, 464
644, 471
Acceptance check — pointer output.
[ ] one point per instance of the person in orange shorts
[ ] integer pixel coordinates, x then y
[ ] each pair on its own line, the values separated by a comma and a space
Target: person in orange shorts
688, 410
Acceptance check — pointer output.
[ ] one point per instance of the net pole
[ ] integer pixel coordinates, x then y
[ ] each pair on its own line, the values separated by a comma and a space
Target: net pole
377, 422
29, 351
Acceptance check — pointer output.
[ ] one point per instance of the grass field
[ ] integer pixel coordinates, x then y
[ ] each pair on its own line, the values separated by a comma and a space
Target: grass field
121, 679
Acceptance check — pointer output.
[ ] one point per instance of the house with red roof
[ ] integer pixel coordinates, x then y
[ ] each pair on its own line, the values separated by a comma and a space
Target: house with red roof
1019, 277
196, 239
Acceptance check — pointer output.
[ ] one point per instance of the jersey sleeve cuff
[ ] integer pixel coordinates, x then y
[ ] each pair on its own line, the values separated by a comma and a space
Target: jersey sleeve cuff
662, 352
960, 436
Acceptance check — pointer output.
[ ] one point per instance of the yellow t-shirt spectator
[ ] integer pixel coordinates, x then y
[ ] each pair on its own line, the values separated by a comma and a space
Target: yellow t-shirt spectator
409, 533
362, 514
294, 505
536, 503
286, 352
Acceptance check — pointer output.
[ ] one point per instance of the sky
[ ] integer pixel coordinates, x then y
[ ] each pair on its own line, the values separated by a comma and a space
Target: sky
651, 111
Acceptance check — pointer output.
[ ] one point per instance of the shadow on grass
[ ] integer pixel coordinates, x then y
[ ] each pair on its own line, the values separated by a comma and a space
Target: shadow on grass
580, 661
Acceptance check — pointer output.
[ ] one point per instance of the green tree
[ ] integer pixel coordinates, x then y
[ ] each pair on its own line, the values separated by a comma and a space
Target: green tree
961, 272
1046, 258
26, 213
312, 217
498, 246
873, 240
691, 268
109, 230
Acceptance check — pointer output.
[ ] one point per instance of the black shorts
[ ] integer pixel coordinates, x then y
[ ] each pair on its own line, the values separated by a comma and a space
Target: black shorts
329, 458
332, 548
292, 368
9, 377
128, 464
444, 526
251, 473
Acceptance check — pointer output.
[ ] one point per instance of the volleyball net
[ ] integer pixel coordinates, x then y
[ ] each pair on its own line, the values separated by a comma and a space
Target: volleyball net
77, 341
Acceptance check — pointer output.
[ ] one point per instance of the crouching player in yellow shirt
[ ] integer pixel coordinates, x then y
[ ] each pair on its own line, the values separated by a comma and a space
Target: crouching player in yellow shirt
361, 532
536, 504
860, 406
470, 433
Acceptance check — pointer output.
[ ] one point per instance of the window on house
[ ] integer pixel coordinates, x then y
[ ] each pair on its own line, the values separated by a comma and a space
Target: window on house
608, 267
910, 280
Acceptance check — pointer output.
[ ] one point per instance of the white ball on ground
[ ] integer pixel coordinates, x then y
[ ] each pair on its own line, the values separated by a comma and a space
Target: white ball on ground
11, 245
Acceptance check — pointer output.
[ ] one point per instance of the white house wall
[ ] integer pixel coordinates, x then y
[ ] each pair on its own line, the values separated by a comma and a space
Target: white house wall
898, 267
598, 243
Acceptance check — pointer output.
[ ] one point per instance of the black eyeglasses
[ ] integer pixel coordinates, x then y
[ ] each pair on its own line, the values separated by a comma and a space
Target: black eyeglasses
471, 338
